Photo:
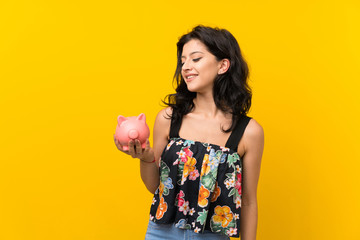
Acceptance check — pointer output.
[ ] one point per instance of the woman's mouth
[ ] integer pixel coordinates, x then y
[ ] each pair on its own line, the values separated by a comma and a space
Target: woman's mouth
190, 78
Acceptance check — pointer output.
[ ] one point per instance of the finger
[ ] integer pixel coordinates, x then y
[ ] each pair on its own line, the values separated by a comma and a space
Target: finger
118, 145
147, 147
131, 148
138, 148
122, 148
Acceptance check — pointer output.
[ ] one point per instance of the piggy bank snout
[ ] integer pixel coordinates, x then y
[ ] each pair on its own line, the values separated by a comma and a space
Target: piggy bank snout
133, 134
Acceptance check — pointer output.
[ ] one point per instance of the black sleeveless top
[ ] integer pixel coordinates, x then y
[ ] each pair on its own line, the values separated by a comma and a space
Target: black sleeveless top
200, 183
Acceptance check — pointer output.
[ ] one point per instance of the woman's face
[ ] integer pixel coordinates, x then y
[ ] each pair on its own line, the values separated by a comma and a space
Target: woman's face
199, 66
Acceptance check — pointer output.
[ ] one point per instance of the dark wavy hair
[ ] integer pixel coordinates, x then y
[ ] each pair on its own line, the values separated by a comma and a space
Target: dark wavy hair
231, 91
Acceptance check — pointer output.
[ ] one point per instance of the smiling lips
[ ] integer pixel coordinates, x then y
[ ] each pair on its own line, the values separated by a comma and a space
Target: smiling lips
190, 77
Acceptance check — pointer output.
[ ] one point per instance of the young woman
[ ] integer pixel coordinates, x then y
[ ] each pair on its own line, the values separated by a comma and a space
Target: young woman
204, 166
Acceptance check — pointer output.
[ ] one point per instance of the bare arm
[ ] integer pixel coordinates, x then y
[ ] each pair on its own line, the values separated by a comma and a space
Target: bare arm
149, 170
254, 146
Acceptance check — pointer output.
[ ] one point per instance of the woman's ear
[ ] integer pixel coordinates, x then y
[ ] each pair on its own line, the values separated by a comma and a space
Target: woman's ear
224, 66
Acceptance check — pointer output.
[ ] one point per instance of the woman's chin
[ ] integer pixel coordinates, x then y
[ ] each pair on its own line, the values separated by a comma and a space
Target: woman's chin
202, 90
192, 89
189, 87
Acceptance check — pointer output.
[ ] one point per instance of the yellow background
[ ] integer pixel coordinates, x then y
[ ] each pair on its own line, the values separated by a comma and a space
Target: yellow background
69, 68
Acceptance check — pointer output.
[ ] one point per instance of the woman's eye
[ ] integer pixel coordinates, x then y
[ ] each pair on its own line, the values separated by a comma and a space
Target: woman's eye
195, 60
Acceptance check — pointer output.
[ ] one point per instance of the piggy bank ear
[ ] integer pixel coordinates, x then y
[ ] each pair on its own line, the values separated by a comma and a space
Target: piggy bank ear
121, 119
141, 117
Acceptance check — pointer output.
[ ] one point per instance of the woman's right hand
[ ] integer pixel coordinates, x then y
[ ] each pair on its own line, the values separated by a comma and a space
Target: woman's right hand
136, 151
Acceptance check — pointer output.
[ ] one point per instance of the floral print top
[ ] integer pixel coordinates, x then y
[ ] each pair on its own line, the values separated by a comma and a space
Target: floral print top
200, 185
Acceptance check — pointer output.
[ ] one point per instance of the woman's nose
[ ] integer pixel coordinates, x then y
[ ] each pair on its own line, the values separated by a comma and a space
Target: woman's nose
186, 65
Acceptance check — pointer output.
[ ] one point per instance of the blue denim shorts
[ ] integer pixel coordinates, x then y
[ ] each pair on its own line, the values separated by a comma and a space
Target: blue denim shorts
157, 231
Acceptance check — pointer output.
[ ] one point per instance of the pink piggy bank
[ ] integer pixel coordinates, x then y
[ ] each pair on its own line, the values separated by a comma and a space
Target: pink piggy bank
132, 128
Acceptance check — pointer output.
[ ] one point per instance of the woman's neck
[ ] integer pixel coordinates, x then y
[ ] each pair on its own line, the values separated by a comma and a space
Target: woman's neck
205, 106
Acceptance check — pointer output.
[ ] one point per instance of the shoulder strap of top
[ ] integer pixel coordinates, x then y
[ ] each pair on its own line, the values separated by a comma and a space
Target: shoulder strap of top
174, 128
237, 133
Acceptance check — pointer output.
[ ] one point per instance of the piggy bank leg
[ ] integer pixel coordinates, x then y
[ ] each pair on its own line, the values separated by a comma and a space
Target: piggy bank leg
143, 145
125, 148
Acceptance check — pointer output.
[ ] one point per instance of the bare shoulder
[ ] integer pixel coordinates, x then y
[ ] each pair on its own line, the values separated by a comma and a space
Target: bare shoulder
163, 116
162, 121
253, 136
253, 129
